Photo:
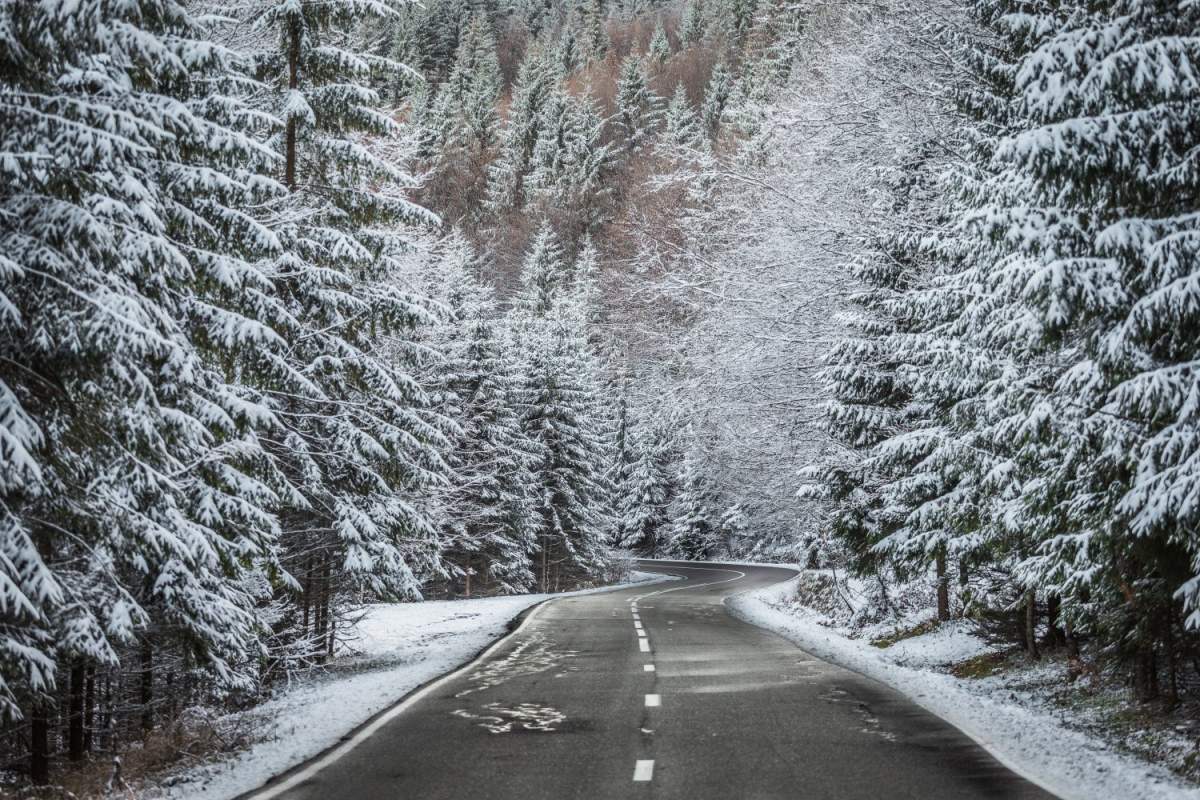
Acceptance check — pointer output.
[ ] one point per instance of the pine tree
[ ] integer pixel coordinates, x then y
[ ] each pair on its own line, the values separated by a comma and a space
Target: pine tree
660, 46
693, 532
487, 539
136, 486
536, 83
681, 128
695, 23
560, 401
569, 164
646, 494
637, 107
357, 441
716, 98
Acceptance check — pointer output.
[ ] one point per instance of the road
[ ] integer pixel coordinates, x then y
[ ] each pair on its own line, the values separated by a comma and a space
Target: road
654, 692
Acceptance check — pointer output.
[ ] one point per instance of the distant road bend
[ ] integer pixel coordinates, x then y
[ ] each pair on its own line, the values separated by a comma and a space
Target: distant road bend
653, 691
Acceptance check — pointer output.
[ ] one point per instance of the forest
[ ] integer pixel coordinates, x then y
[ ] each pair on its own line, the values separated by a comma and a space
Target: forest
307, 304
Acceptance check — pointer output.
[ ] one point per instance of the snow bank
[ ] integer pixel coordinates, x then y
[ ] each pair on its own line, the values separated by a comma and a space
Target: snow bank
396, 648
1033, 743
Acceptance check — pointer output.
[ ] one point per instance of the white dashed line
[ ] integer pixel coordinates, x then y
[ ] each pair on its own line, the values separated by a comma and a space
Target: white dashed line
648, 667
642, 634
644, 645
644, 770
637, 625
653, 700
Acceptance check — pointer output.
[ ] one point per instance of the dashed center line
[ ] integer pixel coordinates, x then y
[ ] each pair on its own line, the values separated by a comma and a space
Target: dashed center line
653, 700
644, 645
643, 770
637, 625
648, 667
641, 634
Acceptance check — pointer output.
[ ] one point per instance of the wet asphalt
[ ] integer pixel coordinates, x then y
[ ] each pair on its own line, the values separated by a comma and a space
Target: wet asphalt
566, 708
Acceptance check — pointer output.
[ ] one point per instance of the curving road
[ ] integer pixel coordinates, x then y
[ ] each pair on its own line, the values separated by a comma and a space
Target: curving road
654, 692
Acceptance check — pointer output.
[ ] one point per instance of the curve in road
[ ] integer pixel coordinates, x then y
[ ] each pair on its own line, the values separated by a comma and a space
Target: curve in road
653, 692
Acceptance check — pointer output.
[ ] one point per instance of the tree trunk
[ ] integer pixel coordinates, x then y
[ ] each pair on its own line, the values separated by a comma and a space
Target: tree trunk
289, 168
89, 710
943, 586
147, 686
467, 588
1172, 666
1145, 678
1031, 644
1072, 641
39, 743
75, 725
1054, 633
963, 583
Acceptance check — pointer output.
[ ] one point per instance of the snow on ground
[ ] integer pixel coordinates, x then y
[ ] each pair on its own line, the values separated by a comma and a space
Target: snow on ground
1024, 735
396, 648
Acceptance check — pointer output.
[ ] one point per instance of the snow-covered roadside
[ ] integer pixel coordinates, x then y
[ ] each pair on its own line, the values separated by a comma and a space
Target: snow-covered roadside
397, 648
1031, 742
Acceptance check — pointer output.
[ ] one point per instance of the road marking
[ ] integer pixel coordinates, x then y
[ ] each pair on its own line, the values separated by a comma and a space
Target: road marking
653, 700
643, 770
637, 625
648, 667
644, 645
637, 615
642, 634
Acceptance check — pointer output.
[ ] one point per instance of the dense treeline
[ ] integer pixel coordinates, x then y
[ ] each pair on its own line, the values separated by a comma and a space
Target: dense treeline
1019, 409
247, 379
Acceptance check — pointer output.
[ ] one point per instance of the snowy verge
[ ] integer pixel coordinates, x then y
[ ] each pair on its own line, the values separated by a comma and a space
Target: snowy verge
395, 648
1031, 742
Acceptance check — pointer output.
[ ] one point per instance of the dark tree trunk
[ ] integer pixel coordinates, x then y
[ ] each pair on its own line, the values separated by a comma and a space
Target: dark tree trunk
39, 743
1172, 663
1054, 633
943, 586
147, 686
1072, 640
75, 726
289, 167
89, 710
1031, 644
963, 583
1145, 672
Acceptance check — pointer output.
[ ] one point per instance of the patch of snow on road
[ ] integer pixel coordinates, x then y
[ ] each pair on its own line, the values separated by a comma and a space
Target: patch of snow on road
396, 648
1027, 739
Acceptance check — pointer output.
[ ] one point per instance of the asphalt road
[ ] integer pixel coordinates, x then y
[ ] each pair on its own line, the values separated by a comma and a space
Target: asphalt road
654, 692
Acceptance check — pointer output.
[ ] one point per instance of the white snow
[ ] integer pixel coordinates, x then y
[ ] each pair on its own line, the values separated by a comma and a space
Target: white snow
1030, 741
396, 647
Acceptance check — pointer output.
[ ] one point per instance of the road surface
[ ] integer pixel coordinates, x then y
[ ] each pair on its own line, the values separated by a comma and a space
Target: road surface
654, 692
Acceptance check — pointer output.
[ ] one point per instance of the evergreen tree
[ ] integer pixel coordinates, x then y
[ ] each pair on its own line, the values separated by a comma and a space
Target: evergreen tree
487, 539
660, 47
637, 106
695, 23
716, 98
536, 83
681, 128
693, 532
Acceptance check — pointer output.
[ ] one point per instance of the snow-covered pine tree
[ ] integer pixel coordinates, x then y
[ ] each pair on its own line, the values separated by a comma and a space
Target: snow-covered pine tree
681, 129
637, 107
136, 488
659, 49
537, 81
358, 442
487, 538
645, 497
695, 23
716, 98
559, 401
693, 532
569, 164
1105, 155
